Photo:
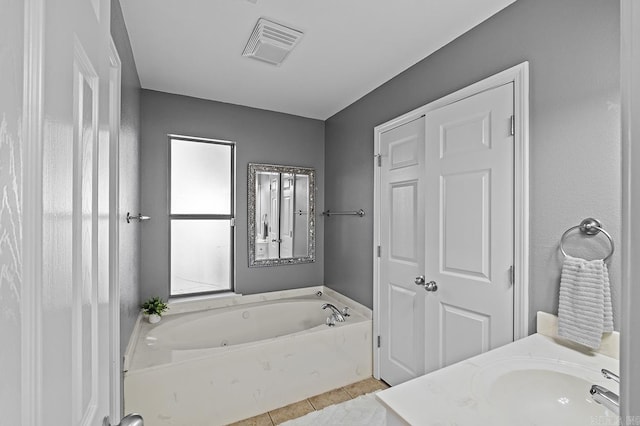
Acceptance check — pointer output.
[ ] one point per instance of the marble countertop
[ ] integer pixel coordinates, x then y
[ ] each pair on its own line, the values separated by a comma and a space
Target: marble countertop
456, 395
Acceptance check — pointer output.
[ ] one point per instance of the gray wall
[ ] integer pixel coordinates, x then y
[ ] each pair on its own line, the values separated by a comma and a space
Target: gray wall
260, 136
129, 273
573, 50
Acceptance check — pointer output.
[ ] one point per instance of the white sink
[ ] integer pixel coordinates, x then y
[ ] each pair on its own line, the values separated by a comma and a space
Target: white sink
539, 380
542, 391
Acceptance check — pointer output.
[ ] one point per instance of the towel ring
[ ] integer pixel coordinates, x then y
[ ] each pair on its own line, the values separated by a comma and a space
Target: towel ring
589, 226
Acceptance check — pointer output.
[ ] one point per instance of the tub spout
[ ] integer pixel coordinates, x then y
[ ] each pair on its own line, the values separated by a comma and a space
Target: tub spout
336, 312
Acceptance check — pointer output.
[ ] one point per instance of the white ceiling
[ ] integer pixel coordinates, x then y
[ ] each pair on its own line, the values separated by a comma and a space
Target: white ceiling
350, 47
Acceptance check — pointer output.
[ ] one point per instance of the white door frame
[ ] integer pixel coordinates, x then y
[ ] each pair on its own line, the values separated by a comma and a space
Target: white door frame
630, 247
519, 76
31, 297
115, 369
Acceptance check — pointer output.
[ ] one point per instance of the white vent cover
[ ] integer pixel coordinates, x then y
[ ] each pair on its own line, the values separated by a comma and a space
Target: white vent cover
271, 42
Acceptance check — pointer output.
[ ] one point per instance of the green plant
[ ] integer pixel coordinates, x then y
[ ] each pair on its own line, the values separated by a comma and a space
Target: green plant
155, 305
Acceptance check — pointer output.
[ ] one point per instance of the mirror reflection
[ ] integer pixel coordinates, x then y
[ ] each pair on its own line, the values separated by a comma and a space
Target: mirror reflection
281, 215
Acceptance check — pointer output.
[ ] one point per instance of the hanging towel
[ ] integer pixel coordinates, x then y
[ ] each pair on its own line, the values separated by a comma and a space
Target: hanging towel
607, 326
584, 311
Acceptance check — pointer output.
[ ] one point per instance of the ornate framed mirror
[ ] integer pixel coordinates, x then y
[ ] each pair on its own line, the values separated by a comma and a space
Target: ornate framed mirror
281, 215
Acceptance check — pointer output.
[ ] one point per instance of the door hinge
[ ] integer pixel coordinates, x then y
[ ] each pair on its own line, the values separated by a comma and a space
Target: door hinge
512, 275
378, 341
379, 159
379, 251
233, 221
513, 125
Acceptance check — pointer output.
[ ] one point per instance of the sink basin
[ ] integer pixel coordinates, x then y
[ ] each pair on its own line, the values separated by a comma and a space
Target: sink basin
542, 392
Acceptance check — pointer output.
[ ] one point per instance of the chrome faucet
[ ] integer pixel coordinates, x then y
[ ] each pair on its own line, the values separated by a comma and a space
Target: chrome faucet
336, 312
604, 396
609, 375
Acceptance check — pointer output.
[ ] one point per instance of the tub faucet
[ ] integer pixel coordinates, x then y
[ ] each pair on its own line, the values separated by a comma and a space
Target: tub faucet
336, 312
604, 396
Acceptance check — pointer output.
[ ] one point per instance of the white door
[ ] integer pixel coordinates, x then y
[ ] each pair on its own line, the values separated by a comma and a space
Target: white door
274, 218
469, 227
402, 256
75, 289
286, 215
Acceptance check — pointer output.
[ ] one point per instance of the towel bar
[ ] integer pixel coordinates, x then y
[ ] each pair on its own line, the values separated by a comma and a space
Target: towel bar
329, 213
590, 227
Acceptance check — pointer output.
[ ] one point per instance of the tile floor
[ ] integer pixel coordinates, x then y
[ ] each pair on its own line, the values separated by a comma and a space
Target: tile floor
318, 402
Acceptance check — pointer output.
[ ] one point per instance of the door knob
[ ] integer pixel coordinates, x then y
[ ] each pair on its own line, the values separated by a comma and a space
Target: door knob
132, 419
431, 286
420, 280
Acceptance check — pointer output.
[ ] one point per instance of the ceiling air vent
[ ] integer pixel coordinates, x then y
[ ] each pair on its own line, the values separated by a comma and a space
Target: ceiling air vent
271, 42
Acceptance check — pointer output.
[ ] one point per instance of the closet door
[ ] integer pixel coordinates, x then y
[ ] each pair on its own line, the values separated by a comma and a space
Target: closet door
469, 227
402, 257
446, 235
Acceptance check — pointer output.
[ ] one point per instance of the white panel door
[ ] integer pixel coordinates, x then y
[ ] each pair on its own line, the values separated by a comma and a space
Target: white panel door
75, 246
286, 216
469, 227
402, 252
274, 219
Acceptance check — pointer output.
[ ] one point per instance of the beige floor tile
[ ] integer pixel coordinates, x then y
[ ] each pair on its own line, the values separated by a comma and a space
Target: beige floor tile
364, 386
261, 420
292, 411
329, 398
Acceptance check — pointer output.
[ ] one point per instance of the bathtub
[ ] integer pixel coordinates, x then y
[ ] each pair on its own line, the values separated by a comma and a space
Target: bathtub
243, 356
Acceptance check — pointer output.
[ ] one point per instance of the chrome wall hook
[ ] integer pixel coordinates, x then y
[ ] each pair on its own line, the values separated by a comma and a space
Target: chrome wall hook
138, 217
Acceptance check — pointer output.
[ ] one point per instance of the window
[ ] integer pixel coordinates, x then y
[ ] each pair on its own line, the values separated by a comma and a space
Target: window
201, 215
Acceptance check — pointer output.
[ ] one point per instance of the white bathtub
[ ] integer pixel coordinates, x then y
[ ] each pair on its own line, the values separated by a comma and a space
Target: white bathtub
262, 352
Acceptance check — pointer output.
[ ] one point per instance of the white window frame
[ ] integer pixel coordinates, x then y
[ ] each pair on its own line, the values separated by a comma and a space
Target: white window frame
230, 217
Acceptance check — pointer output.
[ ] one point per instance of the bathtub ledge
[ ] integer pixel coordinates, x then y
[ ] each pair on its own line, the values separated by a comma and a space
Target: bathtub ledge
200, 303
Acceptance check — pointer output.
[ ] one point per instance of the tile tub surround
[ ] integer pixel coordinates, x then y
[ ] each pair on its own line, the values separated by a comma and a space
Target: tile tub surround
451, 395
227, 384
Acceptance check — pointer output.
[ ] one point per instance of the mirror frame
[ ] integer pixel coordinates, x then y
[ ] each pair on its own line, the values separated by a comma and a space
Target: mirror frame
253, 169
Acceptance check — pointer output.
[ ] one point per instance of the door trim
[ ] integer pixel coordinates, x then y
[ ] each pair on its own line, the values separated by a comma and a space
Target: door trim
32, 139
519, 76
115, 369
630, 246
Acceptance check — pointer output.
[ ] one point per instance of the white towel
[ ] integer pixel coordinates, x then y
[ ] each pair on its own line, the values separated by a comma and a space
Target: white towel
584, 311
